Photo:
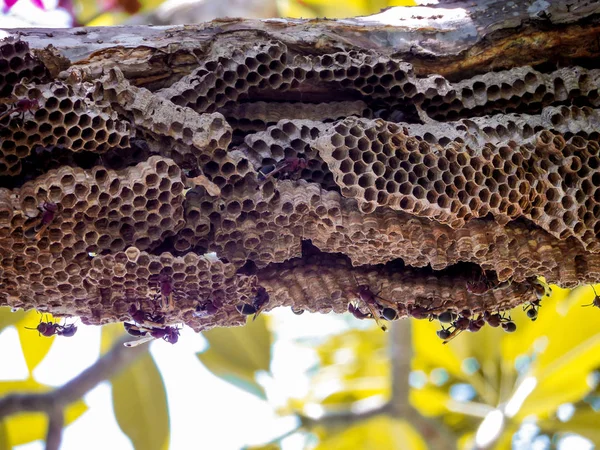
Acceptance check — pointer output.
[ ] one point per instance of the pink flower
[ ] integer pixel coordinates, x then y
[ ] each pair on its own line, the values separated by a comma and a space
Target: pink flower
10, 3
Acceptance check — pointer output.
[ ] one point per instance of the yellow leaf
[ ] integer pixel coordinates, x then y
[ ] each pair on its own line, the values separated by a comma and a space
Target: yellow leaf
355, 390
139, 397
140, 404
263, 447
8, 318
584, 422
4, 442
111, 333
466, 441
236, 354
431, 353
378, 433
430, 401
28, 427
504, 442
572, 352
35, 347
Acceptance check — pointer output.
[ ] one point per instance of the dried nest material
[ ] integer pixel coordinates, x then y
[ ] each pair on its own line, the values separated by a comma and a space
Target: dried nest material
519, 89
262, 171
43, 116
325, 283
52, 227
289, 140
200, 134
548, 182
257, 116
231, 74
18, 63
503, 128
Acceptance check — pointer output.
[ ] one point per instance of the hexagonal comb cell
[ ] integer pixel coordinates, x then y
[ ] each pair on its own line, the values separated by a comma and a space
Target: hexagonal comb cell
263, 168
54, 115
285, 150
17, 63
379, 164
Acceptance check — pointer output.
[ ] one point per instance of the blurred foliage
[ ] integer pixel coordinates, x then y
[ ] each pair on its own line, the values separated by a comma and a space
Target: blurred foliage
377, 433
531, 373
28, 427
139, 397
238, 354
115, 12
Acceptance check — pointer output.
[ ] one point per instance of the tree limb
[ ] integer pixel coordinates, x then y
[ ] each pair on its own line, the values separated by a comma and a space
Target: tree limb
118, 358
400, 349
56, 421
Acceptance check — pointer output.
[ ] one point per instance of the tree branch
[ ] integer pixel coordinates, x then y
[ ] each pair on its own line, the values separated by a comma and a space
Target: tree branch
56, 421
107, 366
400, 350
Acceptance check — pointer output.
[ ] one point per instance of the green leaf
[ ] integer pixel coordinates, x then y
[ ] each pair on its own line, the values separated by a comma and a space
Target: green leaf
28, 427
236, 354
8, 318
4, 442
35, 347
381, 432
139, 398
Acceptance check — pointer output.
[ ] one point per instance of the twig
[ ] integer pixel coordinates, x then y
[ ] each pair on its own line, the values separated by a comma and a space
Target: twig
56, 421
108, 365
400, 350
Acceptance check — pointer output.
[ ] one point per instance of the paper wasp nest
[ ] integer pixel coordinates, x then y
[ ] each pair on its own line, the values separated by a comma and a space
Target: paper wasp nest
305, 174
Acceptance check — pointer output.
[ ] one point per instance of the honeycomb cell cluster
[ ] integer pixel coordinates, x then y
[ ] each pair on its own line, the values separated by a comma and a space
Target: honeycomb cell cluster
545, 181
311, 174
18, 63
56, 117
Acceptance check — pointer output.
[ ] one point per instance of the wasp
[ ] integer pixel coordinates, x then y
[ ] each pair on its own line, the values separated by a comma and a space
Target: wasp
596, 301
167, 333
260, 301
205, 309
285, 168
20, 106
49, 329
379, 308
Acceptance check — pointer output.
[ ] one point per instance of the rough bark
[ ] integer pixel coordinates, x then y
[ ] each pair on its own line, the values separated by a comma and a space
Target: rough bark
442, 156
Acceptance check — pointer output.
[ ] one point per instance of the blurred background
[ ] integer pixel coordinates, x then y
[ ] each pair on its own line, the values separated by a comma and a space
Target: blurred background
307, 381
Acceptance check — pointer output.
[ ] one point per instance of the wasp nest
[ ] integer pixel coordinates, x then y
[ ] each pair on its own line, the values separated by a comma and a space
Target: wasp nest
313, 176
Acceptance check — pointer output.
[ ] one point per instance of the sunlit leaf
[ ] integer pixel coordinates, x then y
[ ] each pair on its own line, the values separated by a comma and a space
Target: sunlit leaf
378, 433
358, 389
35, 347
111, 333
4, 442
504, 442
584, 422
562, 369
237, 354
328, 9
139, 398
263, 447
432, 353
8, 318
466, 441
28, 427
430, 401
